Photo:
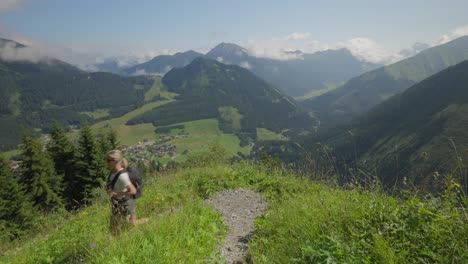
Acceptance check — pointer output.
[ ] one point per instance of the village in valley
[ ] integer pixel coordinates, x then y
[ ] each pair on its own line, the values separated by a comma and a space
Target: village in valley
148, 150
144, 152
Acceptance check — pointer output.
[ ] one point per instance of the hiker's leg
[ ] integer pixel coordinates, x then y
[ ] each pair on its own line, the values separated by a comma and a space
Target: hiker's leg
115, 218
130, 207
115, 227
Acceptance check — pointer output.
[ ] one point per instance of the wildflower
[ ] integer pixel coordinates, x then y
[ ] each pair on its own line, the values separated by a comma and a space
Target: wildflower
93, 245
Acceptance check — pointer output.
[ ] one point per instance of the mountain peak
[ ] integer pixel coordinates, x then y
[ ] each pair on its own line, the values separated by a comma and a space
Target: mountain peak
4, 42
224, 49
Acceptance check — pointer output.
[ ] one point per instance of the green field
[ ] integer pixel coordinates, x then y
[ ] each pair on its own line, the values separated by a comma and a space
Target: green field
10, 154
100, 113
265, 134
131, 135
315, 93
202, 134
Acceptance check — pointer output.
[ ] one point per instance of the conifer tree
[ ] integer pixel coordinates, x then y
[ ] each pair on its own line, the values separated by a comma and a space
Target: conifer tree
91, 168
39, 176
113, 139
62, 151
103, 143
17, 213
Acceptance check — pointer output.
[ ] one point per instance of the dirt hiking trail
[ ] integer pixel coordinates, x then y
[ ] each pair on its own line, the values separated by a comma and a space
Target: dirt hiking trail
239, 209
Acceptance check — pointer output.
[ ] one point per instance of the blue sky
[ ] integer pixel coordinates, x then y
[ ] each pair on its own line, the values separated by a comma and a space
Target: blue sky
117, 27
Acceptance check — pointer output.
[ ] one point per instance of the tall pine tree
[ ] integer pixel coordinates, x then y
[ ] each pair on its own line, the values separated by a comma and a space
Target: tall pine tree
91, 167
62, 151
16, 208
39, 176
113, 139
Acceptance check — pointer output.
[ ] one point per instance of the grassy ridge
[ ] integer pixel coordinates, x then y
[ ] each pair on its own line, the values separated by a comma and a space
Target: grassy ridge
265, 134
306, 222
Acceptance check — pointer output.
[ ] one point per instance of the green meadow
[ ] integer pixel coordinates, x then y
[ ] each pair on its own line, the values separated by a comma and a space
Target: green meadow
265, 134
202, 134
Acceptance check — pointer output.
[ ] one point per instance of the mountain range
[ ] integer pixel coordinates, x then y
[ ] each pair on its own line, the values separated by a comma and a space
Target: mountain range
34, 94
299, 75
162, 64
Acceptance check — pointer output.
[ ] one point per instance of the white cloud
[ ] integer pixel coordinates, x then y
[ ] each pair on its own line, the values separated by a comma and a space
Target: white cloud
272, 49
456, 33
10, 52
245, 65
220, 59
298, 36
89, 59
144, 72
368, 50
8, 5
280, 49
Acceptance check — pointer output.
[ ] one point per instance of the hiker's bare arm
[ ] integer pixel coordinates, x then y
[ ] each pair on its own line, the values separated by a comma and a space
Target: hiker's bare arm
131, 190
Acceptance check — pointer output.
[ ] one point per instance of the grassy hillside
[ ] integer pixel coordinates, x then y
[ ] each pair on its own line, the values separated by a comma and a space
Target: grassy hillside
414, 135
306, 222
35, 94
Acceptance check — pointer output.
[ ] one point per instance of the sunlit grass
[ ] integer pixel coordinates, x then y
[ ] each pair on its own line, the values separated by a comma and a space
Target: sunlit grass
100, 113
306, 222
265, 134
202, 134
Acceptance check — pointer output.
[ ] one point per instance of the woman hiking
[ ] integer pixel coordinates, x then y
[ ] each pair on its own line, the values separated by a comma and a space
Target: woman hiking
121, 191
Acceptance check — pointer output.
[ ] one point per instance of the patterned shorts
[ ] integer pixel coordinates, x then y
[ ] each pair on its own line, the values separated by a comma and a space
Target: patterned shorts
123, 207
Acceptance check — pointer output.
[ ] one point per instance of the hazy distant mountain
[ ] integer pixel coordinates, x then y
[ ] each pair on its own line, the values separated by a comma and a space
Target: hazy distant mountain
295, 77
160, 65
363, 92
35, 93
210, 89
413, 134
4, 42
113, 65
415, 49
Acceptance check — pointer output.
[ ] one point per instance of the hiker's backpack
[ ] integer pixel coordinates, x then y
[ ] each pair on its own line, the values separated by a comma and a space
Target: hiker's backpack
137, 181
135, 178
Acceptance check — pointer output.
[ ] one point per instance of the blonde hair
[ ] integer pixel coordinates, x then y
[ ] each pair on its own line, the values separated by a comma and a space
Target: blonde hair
124, 163
118, 156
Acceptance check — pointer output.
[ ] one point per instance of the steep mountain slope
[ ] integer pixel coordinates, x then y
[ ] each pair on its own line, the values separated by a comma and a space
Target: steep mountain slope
160, 65
35, 93
361, 93
208, 89
416, 134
